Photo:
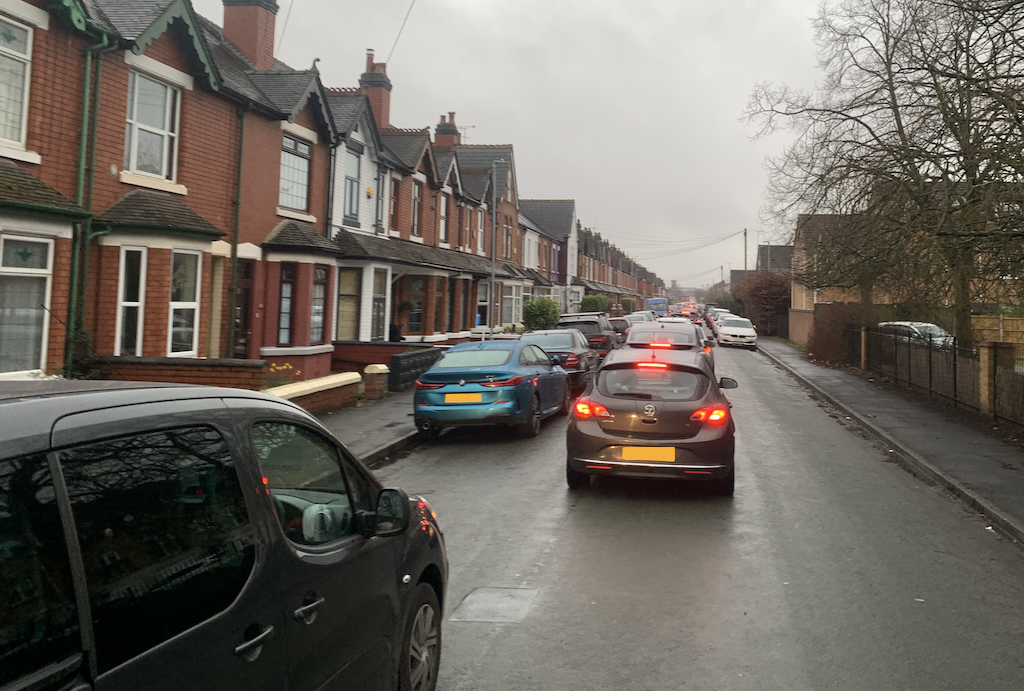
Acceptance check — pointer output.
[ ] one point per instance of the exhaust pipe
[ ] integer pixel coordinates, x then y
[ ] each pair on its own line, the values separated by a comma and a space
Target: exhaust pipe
425, 425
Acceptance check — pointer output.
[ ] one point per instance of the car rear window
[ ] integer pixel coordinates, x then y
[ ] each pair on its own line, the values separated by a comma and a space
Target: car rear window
547, 341
588, 328
738, 323
490, 357
656, 384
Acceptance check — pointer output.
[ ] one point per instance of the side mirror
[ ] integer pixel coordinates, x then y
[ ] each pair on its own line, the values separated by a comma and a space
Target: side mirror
392, 515
728, 383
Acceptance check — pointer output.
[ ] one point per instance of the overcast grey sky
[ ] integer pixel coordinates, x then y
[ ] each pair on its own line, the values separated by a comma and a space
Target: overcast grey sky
630, 107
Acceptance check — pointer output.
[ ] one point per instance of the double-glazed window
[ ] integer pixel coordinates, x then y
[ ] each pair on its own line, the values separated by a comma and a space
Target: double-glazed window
15, 61
25, 268
286, 304
319, 305
184, 332
164, 532
380, 296
349, 281
416, 286
417, 202
151, 139
438, 305
352, 164
393, 212
443, 229
131, 297
39, 622
295, 160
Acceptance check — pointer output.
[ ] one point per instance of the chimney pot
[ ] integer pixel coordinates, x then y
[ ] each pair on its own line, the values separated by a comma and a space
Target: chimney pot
451, 116
369, 59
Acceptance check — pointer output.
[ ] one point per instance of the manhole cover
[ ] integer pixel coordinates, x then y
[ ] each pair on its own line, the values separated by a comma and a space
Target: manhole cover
498, 605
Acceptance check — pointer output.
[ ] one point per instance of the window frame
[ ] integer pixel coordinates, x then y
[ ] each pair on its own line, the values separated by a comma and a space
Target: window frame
378, 306
417, 208
313, 338
351, 210
21, 142
442, 229
393, 210
291, 281
139, 304
309, 170
46, 273
132, 134
358, 295
182, 305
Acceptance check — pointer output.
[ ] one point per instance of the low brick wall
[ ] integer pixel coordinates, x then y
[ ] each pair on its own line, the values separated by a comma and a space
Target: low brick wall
354, 356
239, 374
323, 394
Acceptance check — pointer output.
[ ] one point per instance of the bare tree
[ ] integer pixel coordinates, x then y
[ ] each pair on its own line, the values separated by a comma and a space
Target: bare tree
916, 134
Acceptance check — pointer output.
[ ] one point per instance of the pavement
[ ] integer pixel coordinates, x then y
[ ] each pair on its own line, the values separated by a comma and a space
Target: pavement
983, 472
978, 469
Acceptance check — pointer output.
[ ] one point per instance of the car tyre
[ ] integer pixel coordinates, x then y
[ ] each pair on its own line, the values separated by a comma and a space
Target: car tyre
727, 485
421, 646
531, 428
574, 478
567, 398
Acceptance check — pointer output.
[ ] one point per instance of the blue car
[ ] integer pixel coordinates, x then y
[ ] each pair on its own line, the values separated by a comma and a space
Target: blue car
491, 383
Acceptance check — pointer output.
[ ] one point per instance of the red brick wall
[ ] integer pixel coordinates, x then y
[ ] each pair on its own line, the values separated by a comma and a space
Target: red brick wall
331, 399
242, 374
59, 286
158, 297
251, 29
289, 368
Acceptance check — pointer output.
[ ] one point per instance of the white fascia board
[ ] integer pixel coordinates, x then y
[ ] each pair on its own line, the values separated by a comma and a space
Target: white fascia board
300, 131
155, 242
34, 227
30, 14
155, 68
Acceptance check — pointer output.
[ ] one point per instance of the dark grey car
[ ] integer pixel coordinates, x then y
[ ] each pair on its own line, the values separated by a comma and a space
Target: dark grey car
578, 357
181, 537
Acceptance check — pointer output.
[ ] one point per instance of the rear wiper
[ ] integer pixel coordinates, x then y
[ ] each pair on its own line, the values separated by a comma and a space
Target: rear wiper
633, 395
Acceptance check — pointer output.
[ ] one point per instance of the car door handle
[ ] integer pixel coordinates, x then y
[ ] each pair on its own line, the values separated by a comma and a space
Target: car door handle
252, 648
307, 613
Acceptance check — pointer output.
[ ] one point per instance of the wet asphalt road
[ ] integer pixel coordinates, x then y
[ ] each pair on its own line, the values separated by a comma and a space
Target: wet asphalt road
831, 568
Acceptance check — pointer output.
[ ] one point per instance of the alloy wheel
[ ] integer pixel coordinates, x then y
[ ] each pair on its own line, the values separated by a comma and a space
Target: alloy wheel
423, 643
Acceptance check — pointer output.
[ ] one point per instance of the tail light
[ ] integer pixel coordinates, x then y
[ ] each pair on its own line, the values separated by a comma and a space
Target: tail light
659, 345
420, 385
503, 382
572, 361
707, 349
586, 408
714, 415
597, 339
652, 365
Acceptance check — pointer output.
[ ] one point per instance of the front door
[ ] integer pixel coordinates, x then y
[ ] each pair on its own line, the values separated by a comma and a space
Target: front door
339, 589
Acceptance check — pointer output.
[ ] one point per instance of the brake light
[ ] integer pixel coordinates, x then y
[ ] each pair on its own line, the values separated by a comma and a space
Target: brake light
715, 415
572, 361
585, 408
597, 339
660, 345
503, 382
652, 365
420, 385
707, 349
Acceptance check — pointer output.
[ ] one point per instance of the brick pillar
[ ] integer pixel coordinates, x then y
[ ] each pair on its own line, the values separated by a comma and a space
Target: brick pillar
986, 378
864, 349
375, 382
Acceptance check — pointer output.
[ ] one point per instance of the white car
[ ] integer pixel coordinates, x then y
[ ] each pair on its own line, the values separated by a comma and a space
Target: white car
738, 331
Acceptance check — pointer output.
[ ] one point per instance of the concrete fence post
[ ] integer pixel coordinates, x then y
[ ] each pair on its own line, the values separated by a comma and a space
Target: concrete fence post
375, 382
863, 349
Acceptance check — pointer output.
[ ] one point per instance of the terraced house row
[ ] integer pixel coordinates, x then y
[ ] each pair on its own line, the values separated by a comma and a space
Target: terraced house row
176, 203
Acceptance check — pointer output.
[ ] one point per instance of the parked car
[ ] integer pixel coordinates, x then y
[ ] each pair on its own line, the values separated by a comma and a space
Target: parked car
600, 333
653, 413
920, 333
738, 331
635, 317
175, 537
579, 358
491, 383
621, 326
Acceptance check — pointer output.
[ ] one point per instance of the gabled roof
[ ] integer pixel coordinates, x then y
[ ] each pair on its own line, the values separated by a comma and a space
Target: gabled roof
294, 236
361, 246
291, 90
476, 184
139, 22
148, 210
479, 157
444, 159
525, 221
556, 217
347, 106
25, 193
408, 147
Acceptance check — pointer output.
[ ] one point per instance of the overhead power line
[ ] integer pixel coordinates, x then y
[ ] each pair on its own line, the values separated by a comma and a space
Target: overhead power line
400, 30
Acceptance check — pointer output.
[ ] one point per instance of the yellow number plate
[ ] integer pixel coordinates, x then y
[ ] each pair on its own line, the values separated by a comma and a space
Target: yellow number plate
462, 398
665, 454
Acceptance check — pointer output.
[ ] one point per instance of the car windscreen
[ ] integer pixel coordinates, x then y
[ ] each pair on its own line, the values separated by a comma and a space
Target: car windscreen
673, 336
635, 318
490, 357
652, 383
588, 328
738, 323
549, 341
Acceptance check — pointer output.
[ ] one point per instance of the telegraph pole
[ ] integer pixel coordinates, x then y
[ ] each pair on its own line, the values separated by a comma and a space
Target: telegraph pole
744, 251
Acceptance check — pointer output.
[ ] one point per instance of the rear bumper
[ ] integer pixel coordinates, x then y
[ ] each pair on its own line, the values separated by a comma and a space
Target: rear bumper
707, 456
637, 469
470, 415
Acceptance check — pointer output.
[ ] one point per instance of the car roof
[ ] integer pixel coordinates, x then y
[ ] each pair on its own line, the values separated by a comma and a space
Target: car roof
907, 324
550, 331
665, 325
503, 344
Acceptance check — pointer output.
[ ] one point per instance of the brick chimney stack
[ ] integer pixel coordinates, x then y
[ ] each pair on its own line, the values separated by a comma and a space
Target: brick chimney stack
250, 25
375, 84
446, 134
